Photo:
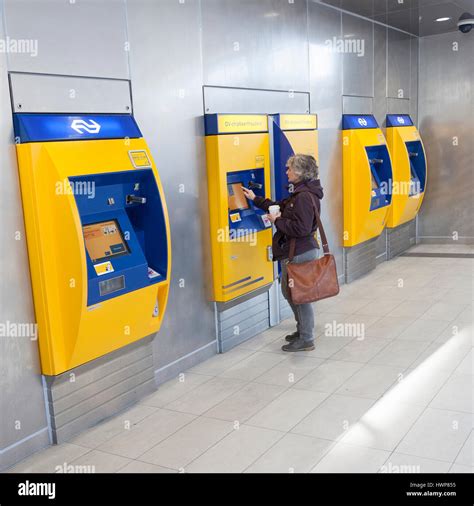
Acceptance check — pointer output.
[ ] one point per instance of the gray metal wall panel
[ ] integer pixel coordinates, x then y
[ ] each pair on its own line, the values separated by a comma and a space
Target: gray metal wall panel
255, 44
81, 38
398, 106
358, 75
380, 74
446, 118
22, 405
414, 66
398, 64
219, 99
167, 97
326, 100
44, 93
357, 105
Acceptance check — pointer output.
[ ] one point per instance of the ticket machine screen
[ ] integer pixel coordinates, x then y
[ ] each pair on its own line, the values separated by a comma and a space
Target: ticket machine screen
104, 240
237, 199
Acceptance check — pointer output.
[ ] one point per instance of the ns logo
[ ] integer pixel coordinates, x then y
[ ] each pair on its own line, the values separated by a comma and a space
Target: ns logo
362, 122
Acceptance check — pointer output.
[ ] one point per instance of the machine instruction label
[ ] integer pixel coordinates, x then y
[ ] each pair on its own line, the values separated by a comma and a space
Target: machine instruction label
139, 159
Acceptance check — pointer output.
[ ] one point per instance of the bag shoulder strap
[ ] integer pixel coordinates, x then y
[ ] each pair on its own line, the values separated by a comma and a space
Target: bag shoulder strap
319, 226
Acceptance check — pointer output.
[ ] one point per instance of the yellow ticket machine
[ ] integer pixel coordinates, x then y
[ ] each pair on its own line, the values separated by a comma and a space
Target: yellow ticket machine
409, 169
237, 149
367, 172
291, 134
98, 234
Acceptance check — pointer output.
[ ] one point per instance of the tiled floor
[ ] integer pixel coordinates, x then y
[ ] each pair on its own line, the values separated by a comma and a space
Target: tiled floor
391, 391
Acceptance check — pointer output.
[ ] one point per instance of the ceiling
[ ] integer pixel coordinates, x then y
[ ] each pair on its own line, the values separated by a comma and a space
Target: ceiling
414, 16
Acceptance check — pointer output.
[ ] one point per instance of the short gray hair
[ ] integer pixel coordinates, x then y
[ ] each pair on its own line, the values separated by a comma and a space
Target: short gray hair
304, 166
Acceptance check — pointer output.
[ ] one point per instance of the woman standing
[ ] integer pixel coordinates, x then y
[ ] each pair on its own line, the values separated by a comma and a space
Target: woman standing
296, 220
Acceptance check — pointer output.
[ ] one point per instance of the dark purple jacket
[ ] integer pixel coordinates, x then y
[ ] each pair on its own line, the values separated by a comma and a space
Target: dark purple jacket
297, 219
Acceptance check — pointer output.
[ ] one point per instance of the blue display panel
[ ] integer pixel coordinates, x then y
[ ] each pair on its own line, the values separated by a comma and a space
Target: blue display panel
244, 217
62, 127
138, 252
399, 120
381, 176
356, 121
417, 167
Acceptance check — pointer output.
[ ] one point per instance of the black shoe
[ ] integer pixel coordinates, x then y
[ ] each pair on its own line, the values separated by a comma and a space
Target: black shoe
298, 345
291, 337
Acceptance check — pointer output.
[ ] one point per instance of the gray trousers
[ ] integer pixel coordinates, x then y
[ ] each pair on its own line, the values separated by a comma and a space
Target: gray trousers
304, 315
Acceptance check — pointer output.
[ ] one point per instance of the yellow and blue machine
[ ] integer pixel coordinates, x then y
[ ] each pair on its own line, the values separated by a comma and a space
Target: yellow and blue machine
409, 169
291, 134
237, 149
97, 231
367, 173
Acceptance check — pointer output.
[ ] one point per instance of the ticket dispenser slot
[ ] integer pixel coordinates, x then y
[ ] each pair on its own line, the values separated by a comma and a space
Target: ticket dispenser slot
98, 234
367, 173
237, 150
409, 168
290, 134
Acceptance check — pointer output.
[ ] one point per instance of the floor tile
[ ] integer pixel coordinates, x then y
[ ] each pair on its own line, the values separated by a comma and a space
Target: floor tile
423, 330
101, 433
287, 410
207, 395
329, 376
253, 366
379, 307
410, 309
221, 361
174, 389
466, 455
348, 305
265, 338
467, 365
236, 451
443, 311
146, 434
361, 350
139, 467
457, 394
457, 468
333, 417
289, 371
49, 460
291, 454
344, 458
400, 353
388, 327
325, 347
437, 434
383, 425
244, 403
370, 381
188, 443
98, 462
399, 463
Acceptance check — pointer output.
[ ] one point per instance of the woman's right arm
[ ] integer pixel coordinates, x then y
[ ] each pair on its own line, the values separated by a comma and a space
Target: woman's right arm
260, 202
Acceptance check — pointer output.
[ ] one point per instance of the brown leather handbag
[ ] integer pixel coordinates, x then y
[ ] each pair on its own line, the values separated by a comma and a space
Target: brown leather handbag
316, 279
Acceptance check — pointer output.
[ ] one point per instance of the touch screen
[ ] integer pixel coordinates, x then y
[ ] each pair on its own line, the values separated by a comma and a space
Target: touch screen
104, 240
237, 199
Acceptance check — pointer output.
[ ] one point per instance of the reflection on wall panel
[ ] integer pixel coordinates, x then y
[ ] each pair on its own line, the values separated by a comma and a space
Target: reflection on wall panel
358, 51
414, 46
73, 38
446, 123
380, 73
398, 64
167, 100
326, 91
255, 44
21, 397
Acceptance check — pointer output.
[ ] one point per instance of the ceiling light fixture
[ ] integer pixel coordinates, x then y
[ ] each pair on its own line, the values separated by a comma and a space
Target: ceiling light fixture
443, 19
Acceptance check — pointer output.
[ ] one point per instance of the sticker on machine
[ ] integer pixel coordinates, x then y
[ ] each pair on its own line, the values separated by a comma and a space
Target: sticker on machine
103, 268
260, 161
139, 158
152, 273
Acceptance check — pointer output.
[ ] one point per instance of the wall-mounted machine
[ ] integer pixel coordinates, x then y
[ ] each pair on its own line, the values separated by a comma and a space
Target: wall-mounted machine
98, 234
367, 175
409, 169
237, 148
291, 134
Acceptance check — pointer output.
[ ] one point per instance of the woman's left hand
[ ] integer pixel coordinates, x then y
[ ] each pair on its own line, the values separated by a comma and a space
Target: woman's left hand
273, 217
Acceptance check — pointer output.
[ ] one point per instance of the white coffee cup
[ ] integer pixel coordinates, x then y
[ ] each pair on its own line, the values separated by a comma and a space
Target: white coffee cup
274, 210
